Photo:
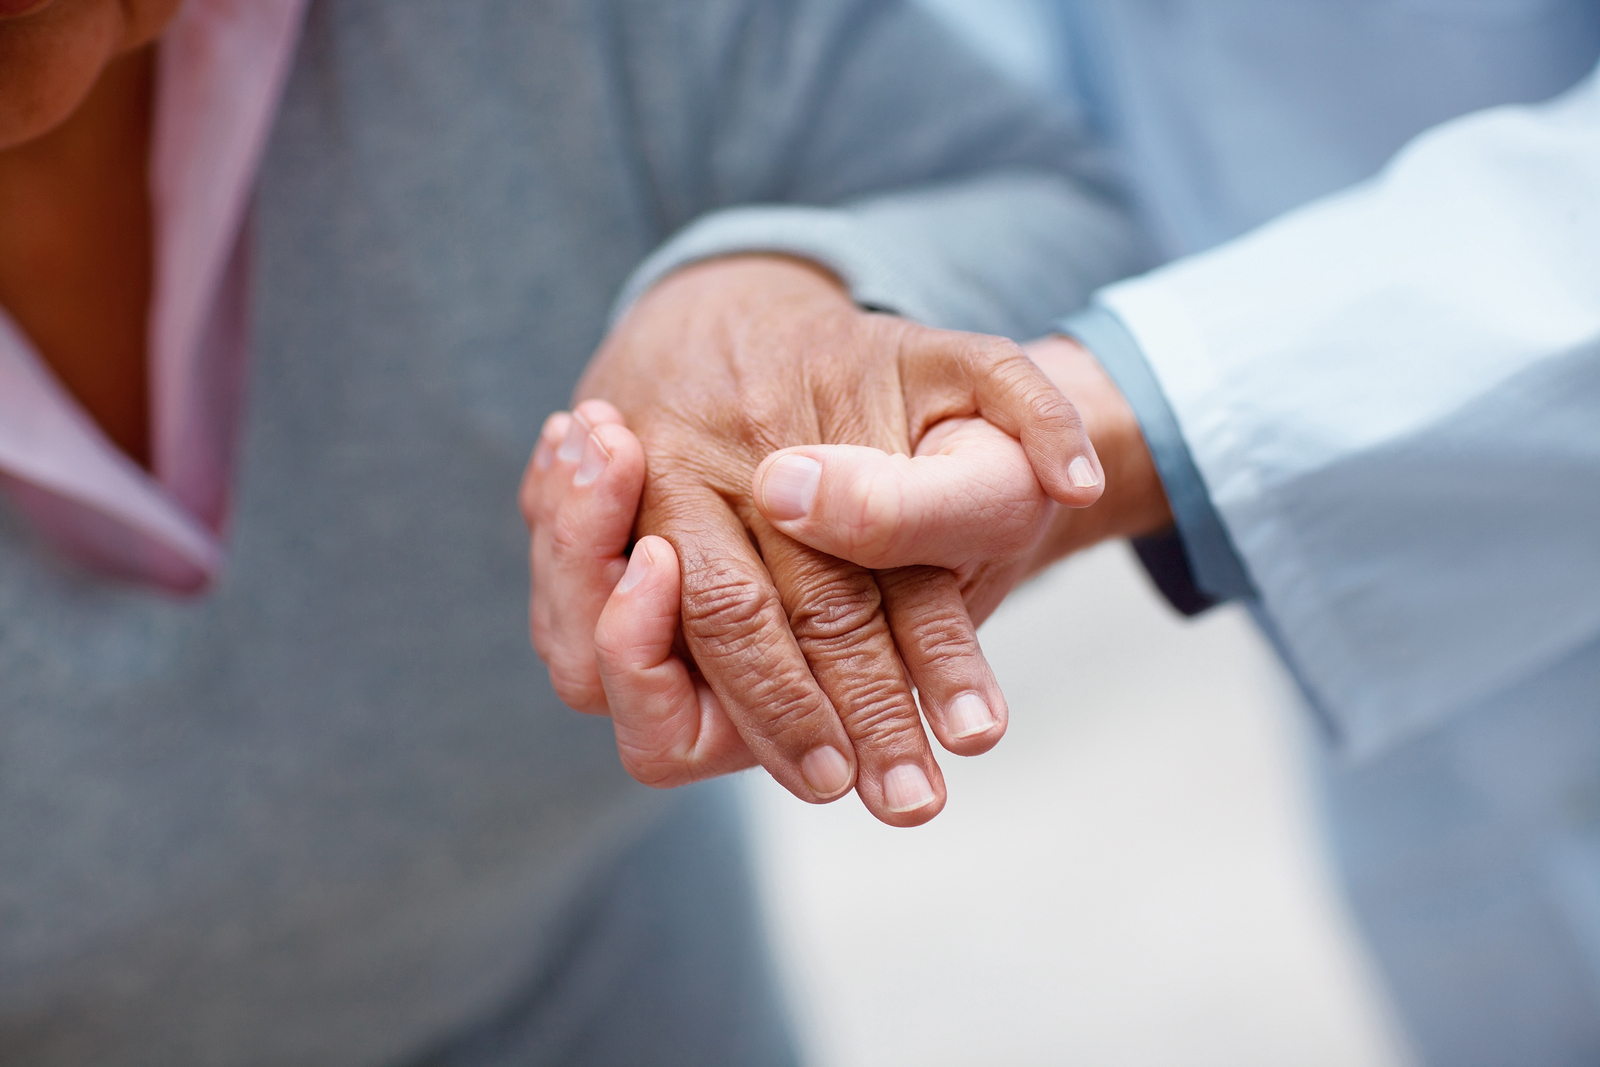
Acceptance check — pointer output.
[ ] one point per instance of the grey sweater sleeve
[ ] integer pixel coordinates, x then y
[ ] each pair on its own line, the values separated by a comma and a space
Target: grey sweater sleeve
860, 135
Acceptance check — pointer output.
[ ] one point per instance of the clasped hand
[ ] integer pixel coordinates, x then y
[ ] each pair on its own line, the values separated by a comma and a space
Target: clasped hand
834, 498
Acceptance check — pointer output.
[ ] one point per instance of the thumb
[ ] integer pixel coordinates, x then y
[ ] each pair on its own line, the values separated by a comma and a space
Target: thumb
671, 728
969, 494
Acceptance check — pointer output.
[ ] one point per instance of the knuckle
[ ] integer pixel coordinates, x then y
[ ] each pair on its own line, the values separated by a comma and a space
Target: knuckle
658, 770
940, 636
838, 608
540, 630
996, 359
1004, 362
577, 688
928, 615
597, 412
744, 427
619, 648
611, 647
756, 420
1004, 375
528, 498
875, 511
841, 626
880, 714
998, 353
1044, 405
570, 539
726, 610
789, 712
728, 618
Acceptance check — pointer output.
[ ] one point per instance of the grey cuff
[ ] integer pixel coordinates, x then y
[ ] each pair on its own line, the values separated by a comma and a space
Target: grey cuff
1000, 253
825, 236
1195, 566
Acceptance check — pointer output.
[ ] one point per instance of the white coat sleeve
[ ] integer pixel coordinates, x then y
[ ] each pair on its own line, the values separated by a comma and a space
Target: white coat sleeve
1393, 399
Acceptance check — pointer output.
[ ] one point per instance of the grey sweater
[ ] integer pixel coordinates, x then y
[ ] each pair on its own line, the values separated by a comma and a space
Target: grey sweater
325, 813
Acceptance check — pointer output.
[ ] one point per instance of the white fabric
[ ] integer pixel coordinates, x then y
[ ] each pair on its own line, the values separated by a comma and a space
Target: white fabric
1393, 396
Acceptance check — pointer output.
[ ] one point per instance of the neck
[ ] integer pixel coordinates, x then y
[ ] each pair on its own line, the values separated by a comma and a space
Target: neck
76, 248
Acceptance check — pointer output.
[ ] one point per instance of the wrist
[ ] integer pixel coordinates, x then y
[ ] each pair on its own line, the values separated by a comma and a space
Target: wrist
705, 306
747, 284
1135, 503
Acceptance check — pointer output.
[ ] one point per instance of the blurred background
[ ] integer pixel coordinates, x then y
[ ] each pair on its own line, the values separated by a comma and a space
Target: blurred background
1134, 877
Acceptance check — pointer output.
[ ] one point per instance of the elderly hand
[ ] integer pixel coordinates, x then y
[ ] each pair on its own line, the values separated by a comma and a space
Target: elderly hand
807, 660
968, 501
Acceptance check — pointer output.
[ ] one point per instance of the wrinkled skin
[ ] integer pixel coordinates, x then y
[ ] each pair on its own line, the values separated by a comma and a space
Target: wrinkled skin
717, 367
968, 500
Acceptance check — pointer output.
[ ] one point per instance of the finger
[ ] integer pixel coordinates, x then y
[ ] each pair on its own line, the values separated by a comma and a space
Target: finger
563, 436
973, 496
579, 550
671, 728
835, 613
948, 374
958, 692
737, 631
539, 497
535, 496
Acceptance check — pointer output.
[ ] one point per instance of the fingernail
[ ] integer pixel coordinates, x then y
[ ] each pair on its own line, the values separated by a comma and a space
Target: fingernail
906, 788
826, 771
969, 716
595, 458
544, 454
790, 487
572, 446
639, 565
1081, 473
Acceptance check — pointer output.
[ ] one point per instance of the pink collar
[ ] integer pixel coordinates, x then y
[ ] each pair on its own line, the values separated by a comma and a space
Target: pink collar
220, 72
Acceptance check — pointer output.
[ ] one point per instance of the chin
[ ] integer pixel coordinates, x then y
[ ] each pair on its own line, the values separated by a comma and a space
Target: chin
16, 9
30, 110
51, 55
